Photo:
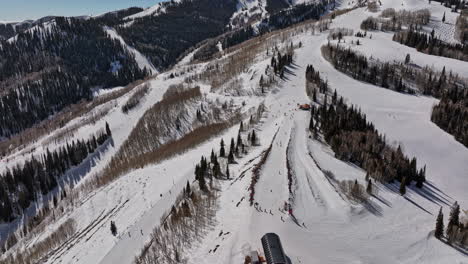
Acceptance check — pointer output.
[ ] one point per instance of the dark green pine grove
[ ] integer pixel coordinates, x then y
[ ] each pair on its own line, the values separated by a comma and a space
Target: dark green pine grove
23, 184
355, 140
163, 38
430, 44
356, 65
290, 16
451, 114
43, 71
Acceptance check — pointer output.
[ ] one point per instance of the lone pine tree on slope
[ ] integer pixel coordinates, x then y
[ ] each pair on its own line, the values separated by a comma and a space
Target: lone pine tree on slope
369, 187
222, 152
113, 228
108, 131
403, 186
253, 138
439, 230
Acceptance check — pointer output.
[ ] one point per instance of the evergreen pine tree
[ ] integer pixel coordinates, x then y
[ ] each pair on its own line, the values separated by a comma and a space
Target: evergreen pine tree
454, 218
222, 151
369, 187
443, 18
202, 182
212, 156
403, 186
407, 58
113, 228
239, 140
420, 179
439, 230
228, 175
233, 146
108, 131
188, 190
262, 83
253, 138
231, 156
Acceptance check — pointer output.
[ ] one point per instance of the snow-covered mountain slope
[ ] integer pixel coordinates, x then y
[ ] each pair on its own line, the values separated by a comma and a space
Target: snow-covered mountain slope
150, 11
251, 11
43, 28
142, 61
393, 229
326, 226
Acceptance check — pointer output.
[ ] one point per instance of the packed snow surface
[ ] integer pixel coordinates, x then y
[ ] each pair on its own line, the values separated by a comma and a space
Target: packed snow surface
326, 226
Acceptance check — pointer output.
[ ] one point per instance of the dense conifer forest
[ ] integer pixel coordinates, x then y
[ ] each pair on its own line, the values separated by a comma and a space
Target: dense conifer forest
451, 114
23, 184
294, 15
51, 67
355, 140
359, 67
430, 44
273, 6
163, 38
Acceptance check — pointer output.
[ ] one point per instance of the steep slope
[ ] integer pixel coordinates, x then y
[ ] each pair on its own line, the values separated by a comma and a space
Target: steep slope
324, 225
47, 69
163, 37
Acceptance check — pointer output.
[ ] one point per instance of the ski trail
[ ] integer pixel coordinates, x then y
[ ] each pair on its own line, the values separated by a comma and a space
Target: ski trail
315, 197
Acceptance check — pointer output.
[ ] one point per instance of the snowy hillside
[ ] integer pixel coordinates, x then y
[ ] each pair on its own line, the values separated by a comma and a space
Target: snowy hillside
287, 179
142, 61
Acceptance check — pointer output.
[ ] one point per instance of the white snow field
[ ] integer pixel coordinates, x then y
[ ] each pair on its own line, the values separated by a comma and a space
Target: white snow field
327, 227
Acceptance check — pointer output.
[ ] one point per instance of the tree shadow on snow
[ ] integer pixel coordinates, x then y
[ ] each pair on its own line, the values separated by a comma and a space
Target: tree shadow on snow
373, 208
431, 195
462, 250
288, 71
75, 174
294, 66
428, 191
382, 200
417, 205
